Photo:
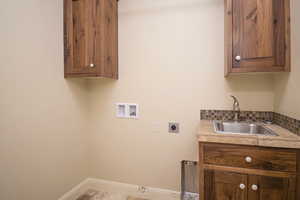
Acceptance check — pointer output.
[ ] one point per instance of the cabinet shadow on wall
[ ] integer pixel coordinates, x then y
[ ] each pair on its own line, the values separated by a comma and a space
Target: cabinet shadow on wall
251, 83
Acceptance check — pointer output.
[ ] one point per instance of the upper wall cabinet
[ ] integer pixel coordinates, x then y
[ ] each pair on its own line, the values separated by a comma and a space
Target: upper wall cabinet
257, 36
91, 38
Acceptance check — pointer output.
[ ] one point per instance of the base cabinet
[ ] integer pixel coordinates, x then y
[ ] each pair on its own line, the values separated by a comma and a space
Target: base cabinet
238, 172
271, 188
222, 185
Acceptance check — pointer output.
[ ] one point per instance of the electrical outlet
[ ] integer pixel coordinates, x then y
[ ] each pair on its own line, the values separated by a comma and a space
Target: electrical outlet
173, 127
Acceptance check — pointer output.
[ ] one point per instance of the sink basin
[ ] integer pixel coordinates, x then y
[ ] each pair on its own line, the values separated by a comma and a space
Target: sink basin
242, 128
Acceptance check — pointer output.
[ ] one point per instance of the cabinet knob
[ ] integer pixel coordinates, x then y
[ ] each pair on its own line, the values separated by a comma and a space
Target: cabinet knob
238, 58
248, 159
254, 187
242, 186
92, 65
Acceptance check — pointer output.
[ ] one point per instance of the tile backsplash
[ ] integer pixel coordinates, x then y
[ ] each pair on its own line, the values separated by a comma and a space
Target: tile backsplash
227, 115
289, 123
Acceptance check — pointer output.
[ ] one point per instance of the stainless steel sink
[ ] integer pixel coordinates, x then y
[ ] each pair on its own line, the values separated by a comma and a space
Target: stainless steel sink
223, 127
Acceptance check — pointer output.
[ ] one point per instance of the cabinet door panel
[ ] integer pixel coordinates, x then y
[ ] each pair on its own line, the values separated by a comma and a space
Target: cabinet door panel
91, 38
271, 188
224, 185
106, 38
258, 26
258, 35
280, 27
83, 36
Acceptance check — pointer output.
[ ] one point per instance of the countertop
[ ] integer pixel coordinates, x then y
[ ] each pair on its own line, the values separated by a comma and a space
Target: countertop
285, 138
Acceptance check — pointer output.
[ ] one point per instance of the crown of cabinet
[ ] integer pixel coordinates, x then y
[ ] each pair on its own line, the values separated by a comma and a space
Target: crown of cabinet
91, 38
257, 36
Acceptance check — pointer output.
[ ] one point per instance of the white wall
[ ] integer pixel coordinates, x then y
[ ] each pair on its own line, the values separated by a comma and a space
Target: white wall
42, 116
287, 87
171, 64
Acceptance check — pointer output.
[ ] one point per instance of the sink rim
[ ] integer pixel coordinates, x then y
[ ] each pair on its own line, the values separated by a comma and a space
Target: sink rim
270, 131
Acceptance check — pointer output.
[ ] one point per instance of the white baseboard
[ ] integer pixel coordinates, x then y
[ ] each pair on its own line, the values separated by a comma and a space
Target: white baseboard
111, 186
75, 191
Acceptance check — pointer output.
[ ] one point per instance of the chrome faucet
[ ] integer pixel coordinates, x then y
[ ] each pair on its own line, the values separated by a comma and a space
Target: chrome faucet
236, 108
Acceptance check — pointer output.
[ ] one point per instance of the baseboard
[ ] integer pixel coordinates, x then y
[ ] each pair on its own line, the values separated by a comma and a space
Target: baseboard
97, 183
75, 191
100, 184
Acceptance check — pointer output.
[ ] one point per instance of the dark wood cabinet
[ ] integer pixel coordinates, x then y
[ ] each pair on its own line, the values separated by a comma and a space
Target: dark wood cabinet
257, 36
91, 38
220, 185
230, 172
271, 188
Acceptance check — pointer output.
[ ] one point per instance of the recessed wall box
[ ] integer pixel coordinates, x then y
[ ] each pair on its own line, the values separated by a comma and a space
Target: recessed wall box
121, 110
133, 111
127, 110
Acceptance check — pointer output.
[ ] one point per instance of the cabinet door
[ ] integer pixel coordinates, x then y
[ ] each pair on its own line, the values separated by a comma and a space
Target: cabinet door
259, 35
80, 35
221, 185
271, 188
106, 43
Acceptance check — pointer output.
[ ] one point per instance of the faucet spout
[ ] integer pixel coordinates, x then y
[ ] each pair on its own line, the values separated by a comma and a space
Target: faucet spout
236, 108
